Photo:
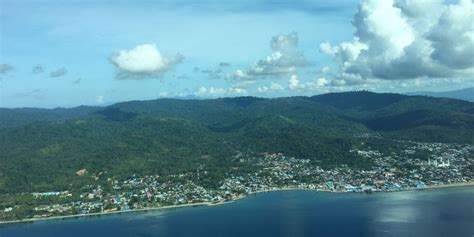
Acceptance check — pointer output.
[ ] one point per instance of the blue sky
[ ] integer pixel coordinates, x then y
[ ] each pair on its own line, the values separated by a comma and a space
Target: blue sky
68, 53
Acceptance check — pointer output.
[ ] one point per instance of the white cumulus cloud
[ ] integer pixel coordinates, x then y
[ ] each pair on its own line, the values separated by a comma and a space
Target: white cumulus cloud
143, 61
406, 39
453, 37
284, 60
273, 87
276, 87
322, 81
294, 83
237, 91
210, 91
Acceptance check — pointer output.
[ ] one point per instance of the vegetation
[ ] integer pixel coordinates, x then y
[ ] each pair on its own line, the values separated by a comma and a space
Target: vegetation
41, 150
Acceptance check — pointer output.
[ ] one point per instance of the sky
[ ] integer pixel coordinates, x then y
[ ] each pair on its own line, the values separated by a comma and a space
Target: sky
65, 53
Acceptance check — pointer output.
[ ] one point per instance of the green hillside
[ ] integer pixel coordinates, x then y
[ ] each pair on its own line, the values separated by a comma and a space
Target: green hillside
42, 149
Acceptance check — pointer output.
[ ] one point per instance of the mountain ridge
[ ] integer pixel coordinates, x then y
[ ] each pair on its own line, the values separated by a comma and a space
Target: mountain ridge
168, 136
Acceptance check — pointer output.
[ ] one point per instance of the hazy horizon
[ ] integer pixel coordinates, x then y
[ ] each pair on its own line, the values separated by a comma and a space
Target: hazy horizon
194, 97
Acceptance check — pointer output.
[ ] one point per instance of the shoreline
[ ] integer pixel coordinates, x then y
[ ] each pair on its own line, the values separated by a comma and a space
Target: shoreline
450, 185
208, 204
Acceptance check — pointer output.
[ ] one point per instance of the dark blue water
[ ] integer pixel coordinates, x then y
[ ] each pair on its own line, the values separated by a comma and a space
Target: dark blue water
442, 212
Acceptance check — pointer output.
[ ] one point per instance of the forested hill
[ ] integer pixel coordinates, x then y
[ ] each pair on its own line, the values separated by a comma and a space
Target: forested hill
42, 149
22, 116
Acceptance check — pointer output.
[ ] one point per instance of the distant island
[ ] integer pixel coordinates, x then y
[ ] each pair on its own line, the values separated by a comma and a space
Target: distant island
169, 152
462, 94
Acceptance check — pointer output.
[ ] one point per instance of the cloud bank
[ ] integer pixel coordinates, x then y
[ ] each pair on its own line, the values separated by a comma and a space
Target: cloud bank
407, 39
284, 60
144, 61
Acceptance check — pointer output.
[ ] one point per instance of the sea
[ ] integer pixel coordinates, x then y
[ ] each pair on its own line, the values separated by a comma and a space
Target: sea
447, 212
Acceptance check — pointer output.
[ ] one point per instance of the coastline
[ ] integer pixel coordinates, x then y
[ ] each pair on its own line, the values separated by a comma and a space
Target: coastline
31, 220
450, 185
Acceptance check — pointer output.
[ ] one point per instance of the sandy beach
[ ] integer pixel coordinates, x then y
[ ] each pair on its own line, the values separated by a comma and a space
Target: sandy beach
450, 185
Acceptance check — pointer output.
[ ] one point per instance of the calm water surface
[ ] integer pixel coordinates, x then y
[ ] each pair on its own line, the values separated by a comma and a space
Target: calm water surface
442, 212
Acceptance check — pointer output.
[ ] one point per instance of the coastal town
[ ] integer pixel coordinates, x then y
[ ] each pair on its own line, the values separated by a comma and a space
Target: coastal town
440, 164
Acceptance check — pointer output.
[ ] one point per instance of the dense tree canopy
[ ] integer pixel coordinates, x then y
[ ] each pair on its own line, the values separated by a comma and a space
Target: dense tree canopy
41, 150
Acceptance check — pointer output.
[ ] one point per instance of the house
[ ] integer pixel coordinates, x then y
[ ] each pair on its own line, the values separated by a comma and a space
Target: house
420, 185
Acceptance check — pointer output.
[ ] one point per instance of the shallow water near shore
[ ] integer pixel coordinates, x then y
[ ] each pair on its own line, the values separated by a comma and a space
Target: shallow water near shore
438, 212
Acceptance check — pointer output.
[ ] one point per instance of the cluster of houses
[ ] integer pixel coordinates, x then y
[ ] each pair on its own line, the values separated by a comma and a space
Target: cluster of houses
445, 164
